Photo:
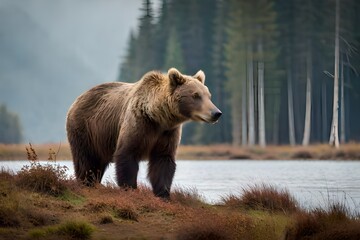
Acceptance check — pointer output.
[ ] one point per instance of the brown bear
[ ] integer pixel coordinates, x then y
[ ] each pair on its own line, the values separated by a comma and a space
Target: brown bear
128, 122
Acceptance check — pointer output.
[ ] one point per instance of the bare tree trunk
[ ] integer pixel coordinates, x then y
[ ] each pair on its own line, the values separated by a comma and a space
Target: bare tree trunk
275, 137
342, 102
290, 109
307, 127
334, 133
324, 112
261, 114
251, 109
236, 126
244, 114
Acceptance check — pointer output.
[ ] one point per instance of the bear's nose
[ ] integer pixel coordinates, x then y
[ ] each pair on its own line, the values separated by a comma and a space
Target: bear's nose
216, 114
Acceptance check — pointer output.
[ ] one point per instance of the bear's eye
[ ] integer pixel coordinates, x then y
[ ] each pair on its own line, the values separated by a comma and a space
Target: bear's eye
196, 96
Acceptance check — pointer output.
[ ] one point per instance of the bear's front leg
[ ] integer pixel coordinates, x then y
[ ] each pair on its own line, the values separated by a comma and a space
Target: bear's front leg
162, 164
161, 174
127, 167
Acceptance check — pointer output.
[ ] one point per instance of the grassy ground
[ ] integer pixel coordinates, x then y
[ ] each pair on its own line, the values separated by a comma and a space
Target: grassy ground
350, 151
40, 203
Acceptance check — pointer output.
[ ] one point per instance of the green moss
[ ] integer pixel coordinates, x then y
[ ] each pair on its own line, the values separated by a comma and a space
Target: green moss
72, 198
70, 229
268, 225
76, 229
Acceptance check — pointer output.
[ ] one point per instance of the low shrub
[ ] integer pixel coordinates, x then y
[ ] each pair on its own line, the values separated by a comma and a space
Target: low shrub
46, 178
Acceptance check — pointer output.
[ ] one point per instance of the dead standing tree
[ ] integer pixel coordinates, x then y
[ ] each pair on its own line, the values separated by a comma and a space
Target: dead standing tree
334, 133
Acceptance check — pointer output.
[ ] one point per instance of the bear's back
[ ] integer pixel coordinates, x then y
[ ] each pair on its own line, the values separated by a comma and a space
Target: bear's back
96, 114
99, 100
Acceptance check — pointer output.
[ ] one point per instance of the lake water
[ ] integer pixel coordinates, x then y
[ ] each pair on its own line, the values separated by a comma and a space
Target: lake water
313, 183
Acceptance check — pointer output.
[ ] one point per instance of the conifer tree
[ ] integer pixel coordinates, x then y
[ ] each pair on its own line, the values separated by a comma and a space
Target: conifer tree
10, 128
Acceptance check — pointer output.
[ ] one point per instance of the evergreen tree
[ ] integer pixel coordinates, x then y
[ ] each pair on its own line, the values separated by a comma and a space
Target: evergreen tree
235, 59
145, 49
129, 65
261, 54
223, 128
10, 129
163, 28
173, 53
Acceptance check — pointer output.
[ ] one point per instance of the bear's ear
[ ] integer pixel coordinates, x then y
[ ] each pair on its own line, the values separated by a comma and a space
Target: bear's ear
200, 75
175, 77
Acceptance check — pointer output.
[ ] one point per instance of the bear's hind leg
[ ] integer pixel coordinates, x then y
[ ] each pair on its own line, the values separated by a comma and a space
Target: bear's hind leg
95, 174
89, 168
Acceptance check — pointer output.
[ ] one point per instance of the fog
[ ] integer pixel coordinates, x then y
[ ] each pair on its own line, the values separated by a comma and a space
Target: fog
51, 51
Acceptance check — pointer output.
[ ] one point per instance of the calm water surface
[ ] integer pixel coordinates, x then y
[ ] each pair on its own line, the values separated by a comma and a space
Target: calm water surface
313, 183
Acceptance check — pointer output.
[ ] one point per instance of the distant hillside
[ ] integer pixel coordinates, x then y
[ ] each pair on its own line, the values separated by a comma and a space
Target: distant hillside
39, 77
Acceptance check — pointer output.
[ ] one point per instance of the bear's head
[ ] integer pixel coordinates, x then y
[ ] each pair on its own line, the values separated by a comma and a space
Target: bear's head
193, 97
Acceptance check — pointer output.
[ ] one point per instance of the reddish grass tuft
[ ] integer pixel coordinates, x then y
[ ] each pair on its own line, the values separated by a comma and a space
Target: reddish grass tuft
126, 213
263, 197
187, 196
207, 225
335, 222
106, 219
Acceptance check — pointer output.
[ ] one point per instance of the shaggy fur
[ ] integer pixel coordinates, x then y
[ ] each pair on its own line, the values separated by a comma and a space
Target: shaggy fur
128, 122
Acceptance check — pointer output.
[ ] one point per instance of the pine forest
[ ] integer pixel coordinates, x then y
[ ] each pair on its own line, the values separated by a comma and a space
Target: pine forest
281, 71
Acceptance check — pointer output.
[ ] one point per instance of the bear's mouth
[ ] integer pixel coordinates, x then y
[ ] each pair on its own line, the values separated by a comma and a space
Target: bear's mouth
200, 118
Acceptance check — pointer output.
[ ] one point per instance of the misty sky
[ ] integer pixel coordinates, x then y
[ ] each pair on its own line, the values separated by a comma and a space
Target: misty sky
96, 30
53, 50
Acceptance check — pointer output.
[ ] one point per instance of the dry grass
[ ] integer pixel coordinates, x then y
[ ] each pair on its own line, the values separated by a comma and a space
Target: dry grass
335, 222
40, 203
106, 211
67, 230
48, 178
214, 225
15, 205
56, 151
263, 197
187, 196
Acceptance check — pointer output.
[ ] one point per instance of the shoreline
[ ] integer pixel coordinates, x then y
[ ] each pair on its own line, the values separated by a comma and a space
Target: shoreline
61, 151
39, 203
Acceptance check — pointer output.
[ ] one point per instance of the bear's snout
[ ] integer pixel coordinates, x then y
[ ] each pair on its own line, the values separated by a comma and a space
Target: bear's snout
215, 115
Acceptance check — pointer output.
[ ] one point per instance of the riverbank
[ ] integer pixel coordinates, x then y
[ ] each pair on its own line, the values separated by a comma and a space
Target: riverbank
39, 202
61, 151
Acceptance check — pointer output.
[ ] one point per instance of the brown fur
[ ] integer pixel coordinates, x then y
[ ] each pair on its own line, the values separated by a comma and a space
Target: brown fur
128, 122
